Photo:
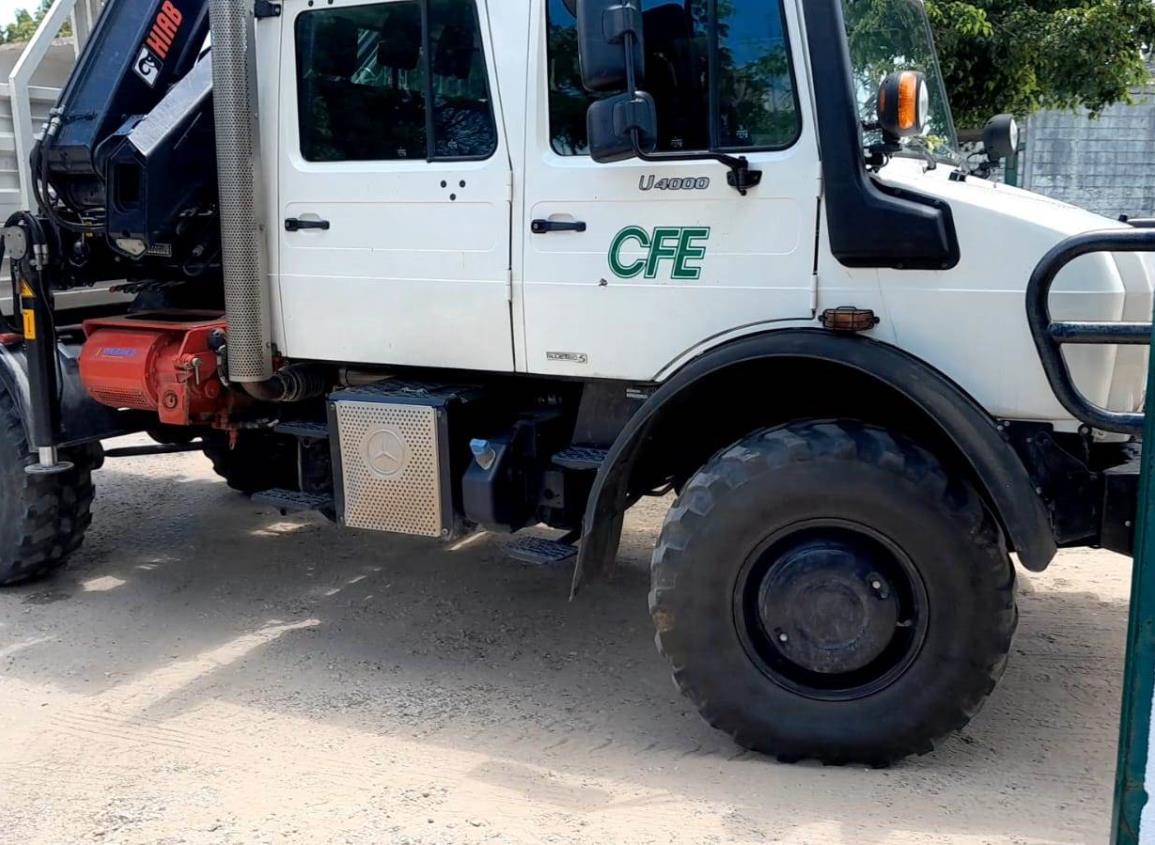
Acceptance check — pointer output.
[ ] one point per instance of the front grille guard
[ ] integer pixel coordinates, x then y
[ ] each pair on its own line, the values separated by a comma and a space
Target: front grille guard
1050, 336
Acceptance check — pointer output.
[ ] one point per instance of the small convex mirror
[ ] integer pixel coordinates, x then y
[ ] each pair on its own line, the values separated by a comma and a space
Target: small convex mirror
603, 28
610, 126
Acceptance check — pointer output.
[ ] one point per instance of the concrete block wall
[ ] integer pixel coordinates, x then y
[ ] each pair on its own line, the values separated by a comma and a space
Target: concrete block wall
1105, 164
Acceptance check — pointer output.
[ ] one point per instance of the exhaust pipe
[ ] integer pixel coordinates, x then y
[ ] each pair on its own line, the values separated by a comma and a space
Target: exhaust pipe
244, 258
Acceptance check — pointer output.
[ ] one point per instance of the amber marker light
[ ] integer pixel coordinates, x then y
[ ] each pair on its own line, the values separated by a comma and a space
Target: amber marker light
903, 103
909, 90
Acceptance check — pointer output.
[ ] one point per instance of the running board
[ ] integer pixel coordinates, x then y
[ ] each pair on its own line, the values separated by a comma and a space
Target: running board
581, 458
540, 552
304, 429
287, 501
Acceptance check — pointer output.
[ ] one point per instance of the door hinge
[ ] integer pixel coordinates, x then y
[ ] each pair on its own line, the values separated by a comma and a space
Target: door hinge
509, 285
266, 9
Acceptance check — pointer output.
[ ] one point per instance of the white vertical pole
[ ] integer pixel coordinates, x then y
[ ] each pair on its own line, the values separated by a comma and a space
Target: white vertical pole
81, 25
18, 82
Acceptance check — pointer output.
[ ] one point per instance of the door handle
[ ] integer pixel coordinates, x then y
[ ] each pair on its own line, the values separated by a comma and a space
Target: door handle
542, 227
294, 225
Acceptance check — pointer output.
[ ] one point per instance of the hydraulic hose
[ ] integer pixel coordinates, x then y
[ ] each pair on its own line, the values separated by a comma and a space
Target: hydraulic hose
40, 186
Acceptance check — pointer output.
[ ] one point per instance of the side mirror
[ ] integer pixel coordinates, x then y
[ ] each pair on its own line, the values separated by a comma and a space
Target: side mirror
610, 125
602, 27
1001, 137
611, 51
903, 104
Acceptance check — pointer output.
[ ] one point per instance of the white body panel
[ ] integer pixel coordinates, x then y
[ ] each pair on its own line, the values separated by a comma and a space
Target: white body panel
583, 320
408, 276
970, 321
414, 269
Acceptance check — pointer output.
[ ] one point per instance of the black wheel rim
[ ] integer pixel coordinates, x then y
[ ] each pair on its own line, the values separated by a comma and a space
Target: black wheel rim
831, 609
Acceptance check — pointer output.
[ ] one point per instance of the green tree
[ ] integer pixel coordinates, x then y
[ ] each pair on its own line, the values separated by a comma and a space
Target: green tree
26, 22
1022, 55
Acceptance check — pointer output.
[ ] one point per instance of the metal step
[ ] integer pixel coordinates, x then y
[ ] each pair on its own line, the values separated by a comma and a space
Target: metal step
540, 552
291, 500
581, 457
304, 428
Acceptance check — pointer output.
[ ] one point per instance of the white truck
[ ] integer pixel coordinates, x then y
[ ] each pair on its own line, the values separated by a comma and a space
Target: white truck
430, 266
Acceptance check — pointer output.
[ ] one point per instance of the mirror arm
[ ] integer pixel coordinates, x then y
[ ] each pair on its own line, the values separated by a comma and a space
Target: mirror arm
741, 176
630, 40
878, 155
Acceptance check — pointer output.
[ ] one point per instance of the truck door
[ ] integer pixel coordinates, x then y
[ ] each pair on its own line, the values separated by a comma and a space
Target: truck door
628, 266
393, 200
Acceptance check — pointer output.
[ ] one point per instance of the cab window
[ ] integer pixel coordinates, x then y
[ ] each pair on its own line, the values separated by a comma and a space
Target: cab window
726, 87
366, 76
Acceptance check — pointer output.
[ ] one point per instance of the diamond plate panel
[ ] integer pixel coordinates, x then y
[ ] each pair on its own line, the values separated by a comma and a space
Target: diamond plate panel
391, 467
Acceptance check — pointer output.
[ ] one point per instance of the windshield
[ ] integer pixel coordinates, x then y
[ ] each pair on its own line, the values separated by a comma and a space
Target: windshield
890, 35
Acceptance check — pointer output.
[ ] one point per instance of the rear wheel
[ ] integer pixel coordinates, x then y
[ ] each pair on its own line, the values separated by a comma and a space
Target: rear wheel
43, 518
260, 460
827, 590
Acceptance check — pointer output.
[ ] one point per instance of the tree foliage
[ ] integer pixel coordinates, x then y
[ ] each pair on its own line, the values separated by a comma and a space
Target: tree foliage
997, 55
886, 36
1022, 55
26, 22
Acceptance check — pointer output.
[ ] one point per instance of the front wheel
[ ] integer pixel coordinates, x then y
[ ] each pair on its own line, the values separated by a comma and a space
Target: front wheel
828, 590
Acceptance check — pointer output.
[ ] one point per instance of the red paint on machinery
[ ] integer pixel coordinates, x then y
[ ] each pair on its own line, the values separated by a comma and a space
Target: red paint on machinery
156, 362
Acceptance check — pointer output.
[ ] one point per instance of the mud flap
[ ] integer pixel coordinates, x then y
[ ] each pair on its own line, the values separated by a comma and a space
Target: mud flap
598, 550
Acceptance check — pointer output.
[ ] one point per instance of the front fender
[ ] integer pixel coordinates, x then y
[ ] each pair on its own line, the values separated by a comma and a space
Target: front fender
1005, 480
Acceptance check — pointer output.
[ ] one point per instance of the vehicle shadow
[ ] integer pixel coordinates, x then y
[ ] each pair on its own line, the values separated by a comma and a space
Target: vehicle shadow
182, 596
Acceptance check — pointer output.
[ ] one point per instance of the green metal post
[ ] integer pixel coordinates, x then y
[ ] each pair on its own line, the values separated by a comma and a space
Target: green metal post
1139, 668
1011, 174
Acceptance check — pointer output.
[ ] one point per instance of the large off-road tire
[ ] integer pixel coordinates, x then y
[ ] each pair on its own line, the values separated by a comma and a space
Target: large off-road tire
42, 517
261, 460
828, 590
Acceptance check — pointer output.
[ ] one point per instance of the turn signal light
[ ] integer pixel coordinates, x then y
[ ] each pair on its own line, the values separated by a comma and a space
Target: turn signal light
908, 110
903, 103
847, 318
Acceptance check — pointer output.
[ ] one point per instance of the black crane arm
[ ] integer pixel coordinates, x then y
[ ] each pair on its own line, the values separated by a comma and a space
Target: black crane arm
136, 110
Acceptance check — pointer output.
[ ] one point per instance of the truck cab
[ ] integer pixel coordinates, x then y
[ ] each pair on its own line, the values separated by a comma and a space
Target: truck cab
441, 266
471, 229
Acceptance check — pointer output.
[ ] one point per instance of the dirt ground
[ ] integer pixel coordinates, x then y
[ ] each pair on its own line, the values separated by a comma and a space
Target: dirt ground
209, 671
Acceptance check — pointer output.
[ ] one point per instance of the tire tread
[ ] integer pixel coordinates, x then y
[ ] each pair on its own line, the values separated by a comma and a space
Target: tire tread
54, 512
775, 449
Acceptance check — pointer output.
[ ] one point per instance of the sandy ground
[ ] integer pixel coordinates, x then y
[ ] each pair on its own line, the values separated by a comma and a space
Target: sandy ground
208, 671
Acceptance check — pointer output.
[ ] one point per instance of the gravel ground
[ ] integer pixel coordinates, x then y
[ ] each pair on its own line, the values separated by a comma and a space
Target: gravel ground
209, 671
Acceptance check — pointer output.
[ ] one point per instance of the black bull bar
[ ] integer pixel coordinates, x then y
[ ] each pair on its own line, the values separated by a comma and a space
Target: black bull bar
1119, 484
1050, 336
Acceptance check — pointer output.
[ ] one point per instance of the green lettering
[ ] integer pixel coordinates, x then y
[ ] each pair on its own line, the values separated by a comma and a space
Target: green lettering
665, 246
690, 251
628, 271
